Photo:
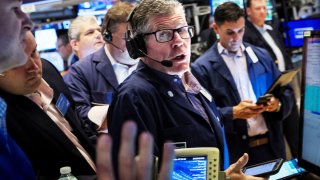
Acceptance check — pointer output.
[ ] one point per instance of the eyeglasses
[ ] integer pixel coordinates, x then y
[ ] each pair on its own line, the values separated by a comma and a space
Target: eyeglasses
166, 35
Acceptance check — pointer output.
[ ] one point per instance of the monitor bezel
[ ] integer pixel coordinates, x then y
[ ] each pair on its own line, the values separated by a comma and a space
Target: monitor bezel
302, 162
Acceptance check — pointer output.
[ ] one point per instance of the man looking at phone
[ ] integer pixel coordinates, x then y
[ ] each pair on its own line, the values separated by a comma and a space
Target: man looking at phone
237, 74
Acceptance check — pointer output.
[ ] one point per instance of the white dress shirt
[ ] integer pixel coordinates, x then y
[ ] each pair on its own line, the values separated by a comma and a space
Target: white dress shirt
280, 59
237, 65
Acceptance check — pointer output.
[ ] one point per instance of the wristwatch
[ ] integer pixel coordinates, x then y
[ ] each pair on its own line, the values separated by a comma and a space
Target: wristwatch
279, 107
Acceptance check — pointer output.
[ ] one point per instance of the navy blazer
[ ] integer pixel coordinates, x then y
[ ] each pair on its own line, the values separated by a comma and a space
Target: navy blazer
90, 80
147, 100
254, 37
212, 72
291, 123
47, 147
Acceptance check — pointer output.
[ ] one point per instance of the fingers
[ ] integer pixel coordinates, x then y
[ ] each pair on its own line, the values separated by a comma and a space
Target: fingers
241, 162
145, 161
127, 151
104, 160
237, 166
167, 162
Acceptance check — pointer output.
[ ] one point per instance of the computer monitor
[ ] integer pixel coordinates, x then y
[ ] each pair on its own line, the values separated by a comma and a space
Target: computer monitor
196, 163
46, 39
309, 135
296, 28
55, 58
95, 7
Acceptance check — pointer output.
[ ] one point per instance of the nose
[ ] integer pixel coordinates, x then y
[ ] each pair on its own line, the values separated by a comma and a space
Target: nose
236, 36
98, 34
32, 64
26, 21
177, 40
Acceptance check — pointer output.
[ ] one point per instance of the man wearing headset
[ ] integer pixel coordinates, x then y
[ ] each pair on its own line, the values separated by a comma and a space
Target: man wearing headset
93, 80
162, 96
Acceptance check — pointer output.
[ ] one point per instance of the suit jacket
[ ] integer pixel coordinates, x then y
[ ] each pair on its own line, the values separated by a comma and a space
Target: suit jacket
291, 123
91, 80
47, 147
254, 37
212, 72
167, 114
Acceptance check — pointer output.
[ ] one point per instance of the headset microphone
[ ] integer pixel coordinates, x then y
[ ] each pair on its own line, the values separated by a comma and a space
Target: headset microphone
165, 63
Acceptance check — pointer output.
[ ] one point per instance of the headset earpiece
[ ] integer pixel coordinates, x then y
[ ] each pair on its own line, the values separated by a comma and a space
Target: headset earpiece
136, 46
107, 36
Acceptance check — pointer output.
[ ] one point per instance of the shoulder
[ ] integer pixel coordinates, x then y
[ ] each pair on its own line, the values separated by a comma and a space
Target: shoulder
258, 50
209, 55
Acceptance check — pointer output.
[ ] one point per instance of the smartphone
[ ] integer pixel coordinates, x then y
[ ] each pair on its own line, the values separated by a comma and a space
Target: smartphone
264, 169
264, 99
288, 170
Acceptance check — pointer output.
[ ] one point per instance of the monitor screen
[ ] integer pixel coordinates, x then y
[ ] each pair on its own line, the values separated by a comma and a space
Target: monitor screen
296, 29
95, 7
54, 58
309, 144
190, 168
46, 39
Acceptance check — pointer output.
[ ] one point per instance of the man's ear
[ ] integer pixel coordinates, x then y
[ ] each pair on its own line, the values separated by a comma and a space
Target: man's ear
248, 11
75, 45
215, 28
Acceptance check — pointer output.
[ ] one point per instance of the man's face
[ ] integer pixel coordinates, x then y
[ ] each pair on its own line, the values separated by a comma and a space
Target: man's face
64, 50
90, 40
257, 12
13, 26
118, 39
231, 34
24, 79
177, 50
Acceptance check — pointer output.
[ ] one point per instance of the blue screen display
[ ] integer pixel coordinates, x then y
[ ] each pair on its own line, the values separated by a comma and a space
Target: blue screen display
296, 29
190, 168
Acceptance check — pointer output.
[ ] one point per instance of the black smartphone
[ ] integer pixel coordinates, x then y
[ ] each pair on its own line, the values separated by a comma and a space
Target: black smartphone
288, 170
264, 99
264, 169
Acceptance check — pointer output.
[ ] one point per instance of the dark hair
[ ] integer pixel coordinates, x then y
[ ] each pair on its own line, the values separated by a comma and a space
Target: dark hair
64, 38
248, 3
228, 11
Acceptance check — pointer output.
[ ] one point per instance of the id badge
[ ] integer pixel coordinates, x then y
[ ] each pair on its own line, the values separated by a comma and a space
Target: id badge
62, 104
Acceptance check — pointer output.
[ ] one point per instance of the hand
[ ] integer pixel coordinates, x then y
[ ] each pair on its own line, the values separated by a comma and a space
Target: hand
272, 105
129, 168
235, 173
246, 109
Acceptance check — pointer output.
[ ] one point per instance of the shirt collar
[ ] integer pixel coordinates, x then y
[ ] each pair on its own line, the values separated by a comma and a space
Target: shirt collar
188, 81
265, 27
225, 51
112, 60
46, 93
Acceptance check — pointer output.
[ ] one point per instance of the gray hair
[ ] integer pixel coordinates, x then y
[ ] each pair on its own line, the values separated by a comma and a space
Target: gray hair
75, 26
149, 9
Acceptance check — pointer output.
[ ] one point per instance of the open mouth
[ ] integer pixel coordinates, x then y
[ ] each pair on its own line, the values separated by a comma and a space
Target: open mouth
179, 57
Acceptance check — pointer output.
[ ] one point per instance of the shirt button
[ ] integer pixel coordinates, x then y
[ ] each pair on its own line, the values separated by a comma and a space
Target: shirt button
170, 93
175, 80
244, 137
